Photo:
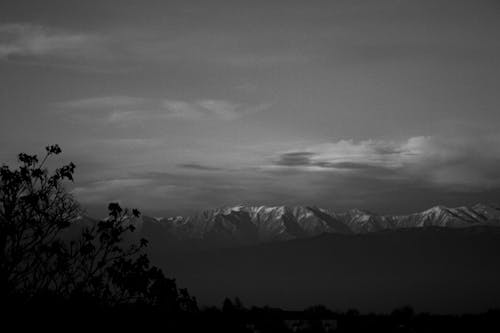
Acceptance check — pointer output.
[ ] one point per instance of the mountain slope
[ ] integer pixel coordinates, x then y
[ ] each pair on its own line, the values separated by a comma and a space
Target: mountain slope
243, 225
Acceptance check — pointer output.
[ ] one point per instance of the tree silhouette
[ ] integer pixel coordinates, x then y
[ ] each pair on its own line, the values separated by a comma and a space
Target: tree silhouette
34, 208
97, 267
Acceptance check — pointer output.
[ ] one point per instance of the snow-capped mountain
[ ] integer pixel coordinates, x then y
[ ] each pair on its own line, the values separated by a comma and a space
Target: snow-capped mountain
237, 251
262, 224
246, 225
441, 216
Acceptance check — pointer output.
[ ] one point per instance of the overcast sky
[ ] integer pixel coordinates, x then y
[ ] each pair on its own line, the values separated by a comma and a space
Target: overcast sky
171, 106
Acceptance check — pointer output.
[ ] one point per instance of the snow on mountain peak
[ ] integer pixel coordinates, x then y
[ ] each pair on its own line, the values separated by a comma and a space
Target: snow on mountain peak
254, 224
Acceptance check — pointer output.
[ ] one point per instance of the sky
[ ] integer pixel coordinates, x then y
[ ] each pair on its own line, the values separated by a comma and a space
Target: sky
175, 106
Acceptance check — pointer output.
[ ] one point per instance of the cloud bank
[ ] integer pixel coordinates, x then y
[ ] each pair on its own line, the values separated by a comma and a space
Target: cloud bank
459, 163
392, 176
30, 40
127, 110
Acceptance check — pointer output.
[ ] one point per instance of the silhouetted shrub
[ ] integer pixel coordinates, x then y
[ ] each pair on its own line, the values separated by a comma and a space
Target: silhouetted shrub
37, 265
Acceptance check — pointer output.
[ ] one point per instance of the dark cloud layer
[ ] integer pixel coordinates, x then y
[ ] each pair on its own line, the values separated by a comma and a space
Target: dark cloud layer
295, 159
305, 159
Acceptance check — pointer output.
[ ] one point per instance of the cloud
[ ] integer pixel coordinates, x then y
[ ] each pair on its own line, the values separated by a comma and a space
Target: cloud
450, 162
347, 154
384, 175
104, 191
29, 40
132, 49
116, 184
104, 102
180, 190
211, 108
127, 110
197, 166
300, 158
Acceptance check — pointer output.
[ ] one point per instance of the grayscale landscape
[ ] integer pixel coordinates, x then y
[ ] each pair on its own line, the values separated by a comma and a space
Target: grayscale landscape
251, 166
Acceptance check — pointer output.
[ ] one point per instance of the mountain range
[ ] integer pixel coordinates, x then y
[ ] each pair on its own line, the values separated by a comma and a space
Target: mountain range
248, 225
439, 260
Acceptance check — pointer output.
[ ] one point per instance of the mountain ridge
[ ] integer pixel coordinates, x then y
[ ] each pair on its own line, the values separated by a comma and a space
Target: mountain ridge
442, 259
247, 225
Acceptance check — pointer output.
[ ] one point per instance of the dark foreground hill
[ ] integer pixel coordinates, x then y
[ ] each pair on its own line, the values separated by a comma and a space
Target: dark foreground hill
432, 269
